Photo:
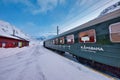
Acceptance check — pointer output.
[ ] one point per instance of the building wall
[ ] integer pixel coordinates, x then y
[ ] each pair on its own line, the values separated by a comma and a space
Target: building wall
11, 43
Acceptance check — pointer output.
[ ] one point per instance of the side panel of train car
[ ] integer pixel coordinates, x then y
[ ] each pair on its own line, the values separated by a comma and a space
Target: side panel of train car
99, 42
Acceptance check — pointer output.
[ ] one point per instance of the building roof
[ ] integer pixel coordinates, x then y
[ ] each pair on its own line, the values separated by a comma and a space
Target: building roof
13, 37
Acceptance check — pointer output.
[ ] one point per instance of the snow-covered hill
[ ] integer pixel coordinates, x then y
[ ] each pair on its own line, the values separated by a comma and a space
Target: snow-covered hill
111, 8
6, 29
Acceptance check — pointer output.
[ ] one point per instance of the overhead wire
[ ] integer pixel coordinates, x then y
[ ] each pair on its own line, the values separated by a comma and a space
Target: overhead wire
97, 8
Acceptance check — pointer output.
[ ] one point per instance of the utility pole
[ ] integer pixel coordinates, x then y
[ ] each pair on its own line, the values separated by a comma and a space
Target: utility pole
57, 30
13, 32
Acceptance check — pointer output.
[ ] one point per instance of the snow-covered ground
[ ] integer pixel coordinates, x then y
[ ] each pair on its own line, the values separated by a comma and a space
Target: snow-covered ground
38, 63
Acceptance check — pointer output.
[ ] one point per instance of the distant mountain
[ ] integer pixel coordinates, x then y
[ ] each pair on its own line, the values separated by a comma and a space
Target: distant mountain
42, 38
6, 29
111, 8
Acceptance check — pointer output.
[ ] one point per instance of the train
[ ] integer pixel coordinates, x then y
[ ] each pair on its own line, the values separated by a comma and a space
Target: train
96, 42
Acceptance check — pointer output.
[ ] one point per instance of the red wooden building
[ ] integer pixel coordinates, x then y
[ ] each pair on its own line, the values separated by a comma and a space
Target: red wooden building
12, 42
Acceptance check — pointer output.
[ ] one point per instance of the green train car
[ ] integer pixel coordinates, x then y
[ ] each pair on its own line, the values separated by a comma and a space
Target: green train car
96, 42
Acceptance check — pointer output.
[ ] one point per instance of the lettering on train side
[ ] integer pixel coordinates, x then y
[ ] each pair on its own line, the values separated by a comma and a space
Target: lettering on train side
91, 48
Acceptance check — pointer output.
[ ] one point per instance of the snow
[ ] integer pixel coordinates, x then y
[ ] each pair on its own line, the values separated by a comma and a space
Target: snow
6, 52
37, 63
111, 8
6, 29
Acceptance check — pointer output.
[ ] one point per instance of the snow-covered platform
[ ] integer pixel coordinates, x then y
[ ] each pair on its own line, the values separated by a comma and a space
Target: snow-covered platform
38, 63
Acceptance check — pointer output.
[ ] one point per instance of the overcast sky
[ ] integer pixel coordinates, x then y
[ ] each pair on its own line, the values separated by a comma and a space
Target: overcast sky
40, 17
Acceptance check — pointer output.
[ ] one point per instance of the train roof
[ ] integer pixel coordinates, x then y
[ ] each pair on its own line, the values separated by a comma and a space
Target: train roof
95, 21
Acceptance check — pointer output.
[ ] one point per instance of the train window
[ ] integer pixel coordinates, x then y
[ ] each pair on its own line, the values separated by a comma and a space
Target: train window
70, 39
114, 30
56, 41
88, 36
62, 41
53, 41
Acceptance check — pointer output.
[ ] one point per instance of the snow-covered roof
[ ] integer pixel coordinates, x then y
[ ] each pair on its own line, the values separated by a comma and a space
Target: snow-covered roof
7, 30
9, 36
